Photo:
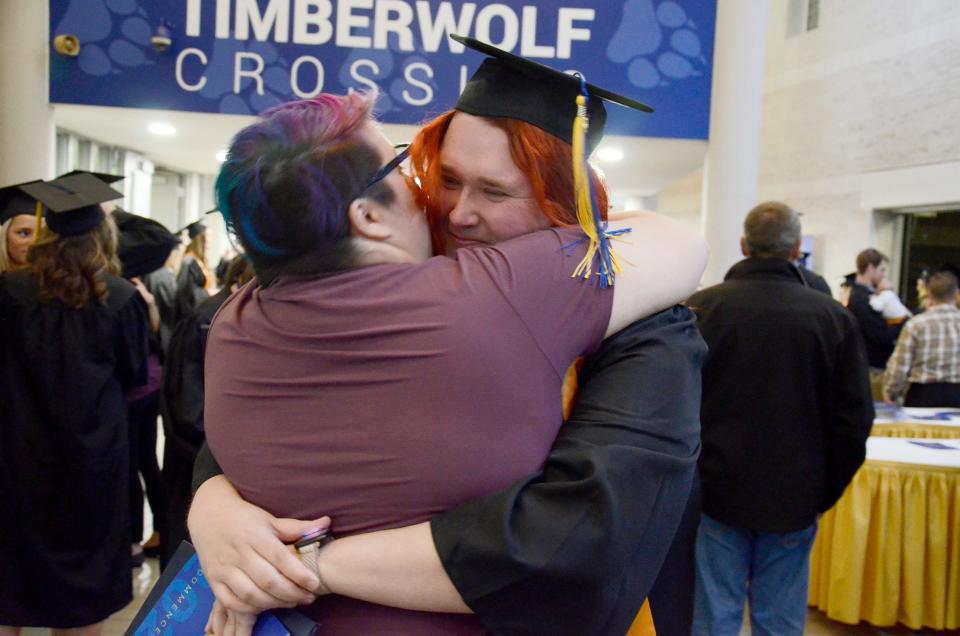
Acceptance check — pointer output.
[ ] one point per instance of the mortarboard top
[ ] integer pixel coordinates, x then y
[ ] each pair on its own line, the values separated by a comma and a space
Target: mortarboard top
508, 85
143, 244
72, 202
14, 202
193, 229
103, 176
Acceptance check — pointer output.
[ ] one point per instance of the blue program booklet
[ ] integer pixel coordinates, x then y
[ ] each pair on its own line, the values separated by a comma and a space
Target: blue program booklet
180, 603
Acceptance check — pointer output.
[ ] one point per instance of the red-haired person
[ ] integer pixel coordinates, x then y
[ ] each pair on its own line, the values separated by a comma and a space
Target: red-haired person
492, 179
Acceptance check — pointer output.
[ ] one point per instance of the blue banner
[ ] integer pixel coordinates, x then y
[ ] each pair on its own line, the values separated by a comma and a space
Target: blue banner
244, 56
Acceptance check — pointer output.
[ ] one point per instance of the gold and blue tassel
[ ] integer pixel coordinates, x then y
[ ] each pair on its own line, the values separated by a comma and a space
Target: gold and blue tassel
599, 251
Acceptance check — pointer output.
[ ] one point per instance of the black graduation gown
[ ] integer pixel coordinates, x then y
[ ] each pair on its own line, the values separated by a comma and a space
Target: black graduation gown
575, 548
65, 529
182, 399
191, 287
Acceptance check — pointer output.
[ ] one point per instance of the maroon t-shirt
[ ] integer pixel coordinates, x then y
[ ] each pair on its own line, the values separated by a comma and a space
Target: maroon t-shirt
384, 395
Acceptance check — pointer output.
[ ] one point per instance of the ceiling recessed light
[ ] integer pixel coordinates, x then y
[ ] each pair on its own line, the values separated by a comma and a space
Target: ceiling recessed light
162, 128
221, 156
609, 154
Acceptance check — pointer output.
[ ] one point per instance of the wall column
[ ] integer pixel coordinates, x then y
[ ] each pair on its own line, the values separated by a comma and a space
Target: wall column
733, 151
27, 131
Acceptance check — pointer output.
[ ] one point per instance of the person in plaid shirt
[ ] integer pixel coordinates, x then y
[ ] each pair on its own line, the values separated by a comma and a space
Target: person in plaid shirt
927, 355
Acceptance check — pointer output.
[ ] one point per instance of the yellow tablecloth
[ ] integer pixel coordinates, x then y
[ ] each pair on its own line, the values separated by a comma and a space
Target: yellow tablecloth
889, 551
915, 430
936, 422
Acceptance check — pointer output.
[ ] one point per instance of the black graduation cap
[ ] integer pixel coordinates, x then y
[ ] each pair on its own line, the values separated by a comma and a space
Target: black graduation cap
195, 228
14, 202
507, 85
72, 202
143, 244
103, 176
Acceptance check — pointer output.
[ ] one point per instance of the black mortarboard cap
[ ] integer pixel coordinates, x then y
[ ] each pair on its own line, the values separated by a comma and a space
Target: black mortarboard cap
507, 85
73, 202
103, 176
14, 202
194, 229
143, 244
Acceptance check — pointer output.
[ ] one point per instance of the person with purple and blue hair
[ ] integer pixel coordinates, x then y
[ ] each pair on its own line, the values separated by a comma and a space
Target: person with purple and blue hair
331, 380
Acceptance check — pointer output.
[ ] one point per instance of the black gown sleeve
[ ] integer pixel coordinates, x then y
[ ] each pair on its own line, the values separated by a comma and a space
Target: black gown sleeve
191, 290
204, 467
575, 548
131, 341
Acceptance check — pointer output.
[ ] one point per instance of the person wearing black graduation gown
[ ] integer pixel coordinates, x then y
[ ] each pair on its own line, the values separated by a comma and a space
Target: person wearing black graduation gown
815, 281
613, 491
64, 456
194, 279
145, 246
182, 397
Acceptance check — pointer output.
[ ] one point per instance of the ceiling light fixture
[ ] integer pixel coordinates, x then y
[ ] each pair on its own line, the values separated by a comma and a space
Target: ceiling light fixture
161, 128
221, 156
609, 154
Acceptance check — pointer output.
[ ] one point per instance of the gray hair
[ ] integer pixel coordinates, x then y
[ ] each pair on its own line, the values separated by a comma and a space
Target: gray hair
771, 229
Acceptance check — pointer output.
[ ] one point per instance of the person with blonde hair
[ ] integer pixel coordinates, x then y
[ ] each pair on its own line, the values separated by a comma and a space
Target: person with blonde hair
194, 281
18, 225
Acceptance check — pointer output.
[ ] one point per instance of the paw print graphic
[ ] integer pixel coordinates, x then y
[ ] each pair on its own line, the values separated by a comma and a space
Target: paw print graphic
114, 34
220, 85
658, 42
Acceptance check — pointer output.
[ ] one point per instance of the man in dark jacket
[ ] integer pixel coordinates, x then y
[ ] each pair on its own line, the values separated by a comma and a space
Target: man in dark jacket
785, 416
879, 338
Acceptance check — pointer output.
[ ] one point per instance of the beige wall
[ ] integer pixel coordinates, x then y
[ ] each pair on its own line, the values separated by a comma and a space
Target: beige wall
859, 114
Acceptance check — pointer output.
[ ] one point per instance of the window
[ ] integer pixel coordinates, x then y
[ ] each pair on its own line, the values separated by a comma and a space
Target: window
813, 14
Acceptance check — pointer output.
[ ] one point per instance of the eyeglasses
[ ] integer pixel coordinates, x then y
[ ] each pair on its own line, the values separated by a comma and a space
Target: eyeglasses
390, 166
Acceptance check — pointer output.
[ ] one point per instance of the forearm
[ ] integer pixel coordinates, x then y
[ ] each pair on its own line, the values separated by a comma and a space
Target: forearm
154, 314
398, 567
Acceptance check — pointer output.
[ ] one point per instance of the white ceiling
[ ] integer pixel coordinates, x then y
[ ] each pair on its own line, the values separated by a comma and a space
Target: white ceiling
648, 164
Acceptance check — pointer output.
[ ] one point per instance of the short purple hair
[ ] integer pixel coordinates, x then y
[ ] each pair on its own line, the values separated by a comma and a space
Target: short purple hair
288, 180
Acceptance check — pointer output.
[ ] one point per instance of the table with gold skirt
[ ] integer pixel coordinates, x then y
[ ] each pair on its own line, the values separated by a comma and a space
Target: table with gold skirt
914, 422
889, 551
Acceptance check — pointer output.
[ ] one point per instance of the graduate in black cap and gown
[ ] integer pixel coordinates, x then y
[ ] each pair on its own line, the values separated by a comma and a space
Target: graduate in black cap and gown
143, 245
575, 548
80, 345
194, 279
18, 226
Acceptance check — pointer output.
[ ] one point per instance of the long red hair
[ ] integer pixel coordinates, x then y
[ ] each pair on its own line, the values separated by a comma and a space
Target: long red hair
545, 160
